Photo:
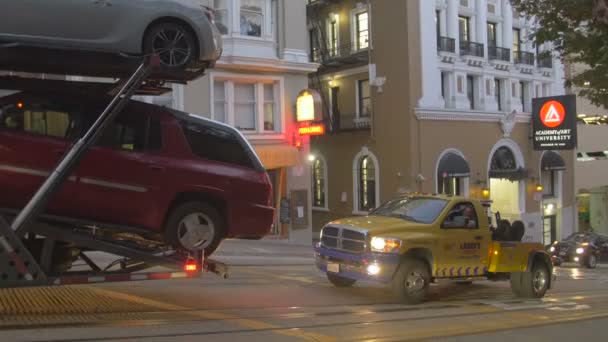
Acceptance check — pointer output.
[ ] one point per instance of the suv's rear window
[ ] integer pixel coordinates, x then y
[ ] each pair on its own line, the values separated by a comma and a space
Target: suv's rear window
214, 143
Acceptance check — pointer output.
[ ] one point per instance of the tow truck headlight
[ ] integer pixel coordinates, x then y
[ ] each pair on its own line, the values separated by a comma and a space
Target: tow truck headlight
552, 249
380, 244
580, 250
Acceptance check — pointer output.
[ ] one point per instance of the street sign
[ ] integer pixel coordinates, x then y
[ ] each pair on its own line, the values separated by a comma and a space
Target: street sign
554, 123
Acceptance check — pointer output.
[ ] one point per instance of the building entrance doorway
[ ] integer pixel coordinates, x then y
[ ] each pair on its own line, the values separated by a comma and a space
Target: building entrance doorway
549, 230
505, 184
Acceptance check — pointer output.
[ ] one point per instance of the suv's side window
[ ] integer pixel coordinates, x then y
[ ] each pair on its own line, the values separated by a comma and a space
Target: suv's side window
215, 143
136, 132
461, 216
37, 118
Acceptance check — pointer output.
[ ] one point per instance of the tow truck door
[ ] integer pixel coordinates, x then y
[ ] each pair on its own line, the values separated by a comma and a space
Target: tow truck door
464, 243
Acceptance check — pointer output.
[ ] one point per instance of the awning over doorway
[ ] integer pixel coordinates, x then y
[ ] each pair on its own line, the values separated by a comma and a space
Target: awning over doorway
552, 161
277, 156
453, 165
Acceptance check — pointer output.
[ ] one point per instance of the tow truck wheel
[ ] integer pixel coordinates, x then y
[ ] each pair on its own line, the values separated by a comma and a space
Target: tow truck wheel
411, 281
174, 44
195, 226
591, 261
531, 284
340, 281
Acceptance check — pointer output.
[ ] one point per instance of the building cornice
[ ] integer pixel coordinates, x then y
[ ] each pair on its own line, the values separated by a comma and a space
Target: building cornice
437, 114
265, 64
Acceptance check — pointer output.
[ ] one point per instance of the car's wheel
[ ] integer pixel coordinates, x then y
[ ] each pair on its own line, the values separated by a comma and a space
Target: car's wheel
340, 281
591, 261
531, 284
195, 226
411, 281
174, 43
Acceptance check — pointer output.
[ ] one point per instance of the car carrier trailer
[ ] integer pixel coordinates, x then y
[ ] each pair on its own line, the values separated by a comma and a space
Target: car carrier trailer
22, 265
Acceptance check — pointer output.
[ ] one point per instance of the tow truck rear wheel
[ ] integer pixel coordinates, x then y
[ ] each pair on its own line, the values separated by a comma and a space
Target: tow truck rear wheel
532, 284
411, 281
195, 226
340, 281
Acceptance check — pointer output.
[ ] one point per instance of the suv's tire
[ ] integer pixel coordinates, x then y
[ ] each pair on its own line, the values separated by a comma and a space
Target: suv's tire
411, 281
340, 281
591, 261
531, 284
195, 226
174, 43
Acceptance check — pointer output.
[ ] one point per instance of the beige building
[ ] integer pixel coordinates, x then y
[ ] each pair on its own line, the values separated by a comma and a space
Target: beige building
592, 163
254, 86
441, 103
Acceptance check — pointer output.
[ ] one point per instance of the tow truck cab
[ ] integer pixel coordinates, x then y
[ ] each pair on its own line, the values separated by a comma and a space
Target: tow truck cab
411, 241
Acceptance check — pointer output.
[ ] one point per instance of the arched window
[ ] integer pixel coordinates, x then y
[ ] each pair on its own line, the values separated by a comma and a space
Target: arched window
319, 183
367, 183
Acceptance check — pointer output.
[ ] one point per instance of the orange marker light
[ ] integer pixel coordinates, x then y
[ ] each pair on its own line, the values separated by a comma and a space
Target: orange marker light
495, 252
19, 105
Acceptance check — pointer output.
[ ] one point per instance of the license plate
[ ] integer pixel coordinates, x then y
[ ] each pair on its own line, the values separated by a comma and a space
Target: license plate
562, 253
333, 268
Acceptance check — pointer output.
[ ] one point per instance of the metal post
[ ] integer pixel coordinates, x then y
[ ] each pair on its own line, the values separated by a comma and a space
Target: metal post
50, 186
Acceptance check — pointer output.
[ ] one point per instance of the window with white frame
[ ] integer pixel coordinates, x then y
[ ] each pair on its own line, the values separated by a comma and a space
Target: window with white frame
250, 106
252, 17
361, 30
332, 35
366, 183
222, 18
319, 183
364, 98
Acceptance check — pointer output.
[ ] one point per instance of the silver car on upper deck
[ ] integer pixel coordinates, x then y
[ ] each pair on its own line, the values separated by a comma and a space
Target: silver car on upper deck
181, 32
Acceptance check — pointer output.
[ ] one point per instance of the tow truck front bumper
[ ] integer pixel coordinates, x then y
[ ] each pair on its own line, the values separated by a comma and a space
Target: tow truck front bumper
357, 266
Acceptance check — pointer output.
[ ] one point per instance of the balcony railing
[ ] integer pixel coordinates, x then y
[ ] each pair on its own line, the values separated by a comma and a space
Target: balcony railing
545, 62
350, 122
523, 57
499, 54
446, 44
471, 49
350, 52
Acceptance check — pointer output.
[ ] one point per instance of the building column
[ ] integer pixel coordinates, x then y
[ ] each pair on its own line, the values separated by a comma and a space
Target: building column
481, 21
431, 75
507, 27
452, 22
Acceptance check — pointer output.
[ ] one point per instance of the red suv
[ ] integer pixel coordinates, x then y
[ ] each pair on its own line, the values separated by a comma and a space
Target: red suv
159, 173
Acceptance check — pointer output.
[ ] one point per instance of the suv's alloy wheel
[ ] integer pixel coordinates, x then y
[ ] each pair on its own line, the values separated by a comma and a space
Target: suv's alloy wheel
195, 226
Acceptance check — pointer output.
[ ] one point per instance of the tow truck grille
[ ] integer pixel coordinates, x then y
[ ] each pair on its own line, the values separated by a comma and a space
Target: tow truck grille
344, 239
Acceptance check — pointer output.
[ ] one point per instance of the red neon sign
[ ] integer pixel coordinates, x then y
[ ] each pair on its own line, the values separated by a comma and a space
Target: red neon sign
312, 130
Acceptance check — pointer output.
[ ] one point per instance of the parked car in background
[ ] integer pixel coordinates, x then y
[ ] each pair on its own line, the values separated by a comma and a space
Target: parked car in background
587, 249
181, 32
156, 173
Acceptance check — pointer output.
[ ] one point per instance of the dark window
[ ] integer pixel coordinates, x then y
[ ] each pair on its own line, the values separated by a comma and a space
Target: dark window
497, 96
522, 95
516, 40
462, 215
314, 45
438, 24
318, 183
548, 183
40, 117
365, 103
471, 90
463, 29
215, 143
492, 34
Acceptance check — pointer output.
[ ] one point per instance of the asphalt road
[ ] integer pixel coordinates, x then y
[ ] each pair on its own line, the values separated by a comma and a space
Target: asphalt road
292, 301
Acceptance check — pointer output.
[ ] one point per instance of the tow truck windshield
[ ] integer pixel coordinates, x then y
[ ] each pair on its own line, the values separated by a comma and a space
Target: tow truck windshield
415, 209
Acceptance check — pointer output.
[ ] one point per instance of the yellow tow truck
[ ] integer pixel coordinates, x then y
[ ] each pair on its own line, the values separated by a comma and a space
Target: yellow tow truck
412, 241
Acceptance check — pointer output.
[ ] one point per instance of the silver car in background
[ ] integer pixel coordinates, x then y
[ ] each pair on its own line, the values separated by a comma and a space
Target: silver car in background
182, 32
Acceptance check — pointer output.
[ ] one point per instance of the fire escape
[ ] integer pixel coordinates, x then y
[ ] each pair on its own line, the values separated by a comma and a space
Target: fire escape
332, 57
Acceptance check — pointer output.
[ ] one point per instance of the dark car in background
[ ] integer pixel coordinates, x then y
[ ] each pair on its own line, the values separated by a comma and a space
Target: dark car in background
159, 173
586, 249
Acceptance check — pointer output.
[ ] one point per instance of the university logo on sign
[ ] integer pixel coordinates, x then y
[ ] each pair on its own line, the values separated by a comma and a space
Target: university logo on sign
554, 123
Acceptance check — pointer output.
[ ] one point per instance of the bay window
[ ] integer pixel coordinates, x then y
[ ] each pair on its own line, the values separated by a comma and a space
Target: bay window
252, 106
